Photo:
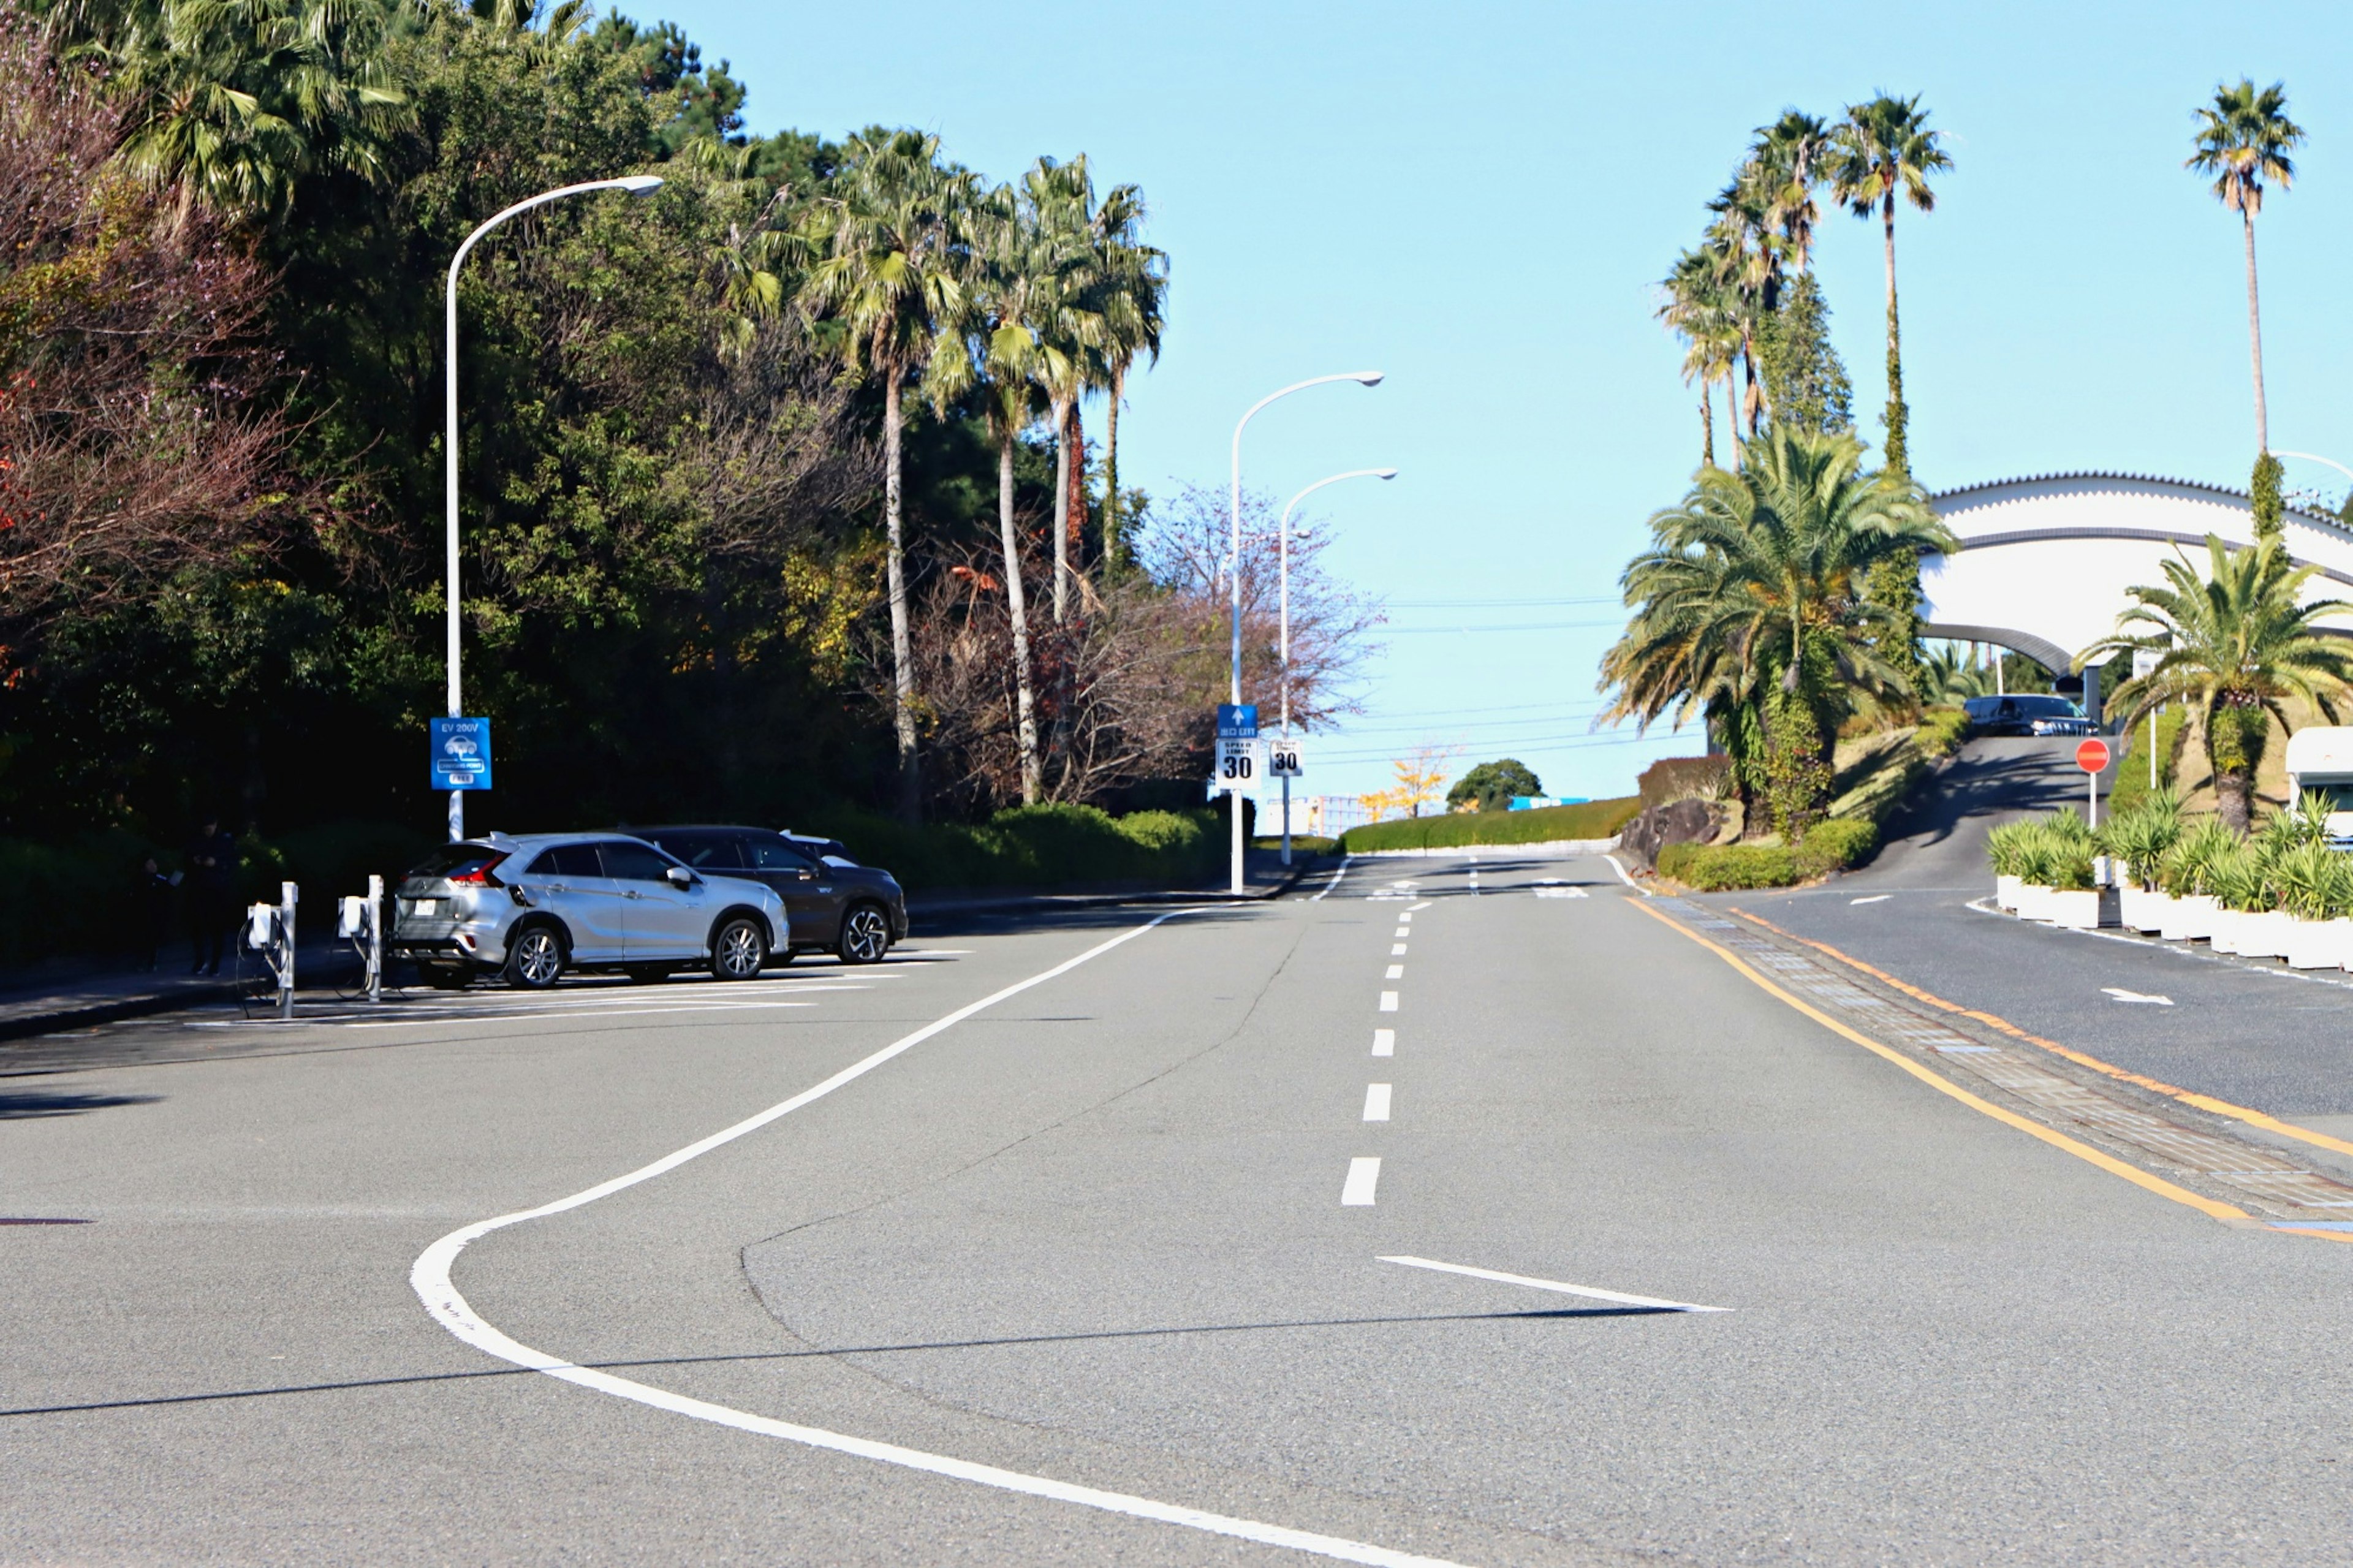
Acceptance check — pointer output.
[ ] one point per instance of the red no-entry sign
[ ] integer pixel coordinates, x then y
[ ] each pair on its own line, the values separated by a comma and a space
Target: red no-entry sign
2092, 756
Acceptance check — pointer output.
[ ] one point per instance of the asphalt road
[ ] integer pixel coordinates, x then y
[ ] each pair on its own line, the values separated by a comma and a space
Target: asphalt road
1092, 1236
2253, 1033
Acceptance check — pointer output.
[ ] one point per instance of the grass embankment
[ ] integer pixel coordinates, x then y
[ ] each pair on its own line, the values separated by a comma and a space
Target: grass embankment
2131, 785
1589, 819
1874, 773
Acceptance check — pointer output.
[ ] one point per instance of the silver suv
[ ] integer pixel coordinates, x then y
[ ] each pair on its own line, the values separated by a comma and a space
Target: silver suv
530, 908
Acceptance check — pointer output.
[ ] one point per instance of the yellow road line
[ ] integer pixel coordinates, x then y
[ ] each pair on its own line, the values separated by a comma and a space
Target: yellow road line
2187, 1097
2081, 1151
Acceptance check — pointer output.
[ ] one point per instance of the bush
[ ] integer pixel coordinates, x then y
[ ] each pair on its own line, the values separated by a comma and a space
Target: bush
2131, 785
1593, 819
1729, 866
1941, 732
1836, 844
1037, 845
1670, 779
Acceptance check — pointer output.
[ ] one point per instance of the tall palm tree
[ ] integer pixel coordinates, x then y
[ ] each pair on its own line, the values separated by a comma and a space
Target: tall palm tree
1133, 282
1885, 147
2231, 647
1697, 308
2244, 140
891, 270
1058, 201
1749, 603
1788, 156
1741, 246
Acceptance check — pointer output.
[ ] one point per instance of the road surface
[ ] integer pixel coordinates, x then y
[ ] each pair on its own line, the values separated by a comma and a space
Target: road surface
1101, 1270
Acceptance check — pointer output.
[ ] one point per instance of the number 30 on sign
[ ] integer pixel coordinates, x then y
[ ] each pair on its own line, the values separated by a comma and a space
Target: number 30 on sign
1237, 762
1282, 761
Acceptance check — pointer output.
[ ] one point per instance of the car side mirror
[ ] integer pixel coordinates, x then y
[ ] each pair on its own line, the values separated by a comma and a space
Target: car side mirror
680, 876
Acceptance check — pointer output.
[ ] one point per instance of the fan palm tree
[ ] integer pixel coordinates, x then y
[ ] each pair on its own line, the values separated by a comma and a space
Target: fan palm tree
1885, 147
2231, 647
1739, 245
890, 268
2244, 140
1133, 283
1788, 156
1749, 603
1699, 310
1063, 262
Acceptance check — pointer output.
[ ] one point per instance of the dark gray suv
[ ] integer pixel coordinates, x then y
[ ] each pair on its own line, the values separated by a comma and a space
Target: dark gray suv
853, 912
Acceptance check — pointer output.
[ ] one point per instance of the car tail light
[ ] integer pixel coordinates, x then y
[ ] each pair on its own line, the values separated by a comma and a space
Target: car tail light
477, 873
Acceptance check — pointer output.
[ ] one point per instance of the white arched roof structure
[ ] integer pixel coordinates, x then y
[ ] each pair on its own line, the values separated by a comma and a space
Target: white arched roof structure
2045, 561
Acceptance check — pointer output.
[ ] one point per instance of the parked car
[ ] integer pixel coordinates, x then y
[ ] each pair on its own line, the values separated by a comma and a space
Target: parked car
2026, 713
530, 908
836, 905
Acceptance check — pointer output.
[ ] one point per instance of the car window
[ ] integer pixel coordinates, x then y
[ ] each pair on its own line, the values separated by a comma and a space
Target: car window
567, 860
706, 851
458, 859
2047, 708
632, 862
775, 855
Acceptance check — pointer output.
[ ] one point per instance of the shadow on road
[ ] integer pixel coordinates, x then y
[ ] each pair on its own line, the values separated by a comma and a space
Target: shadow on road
26, 1106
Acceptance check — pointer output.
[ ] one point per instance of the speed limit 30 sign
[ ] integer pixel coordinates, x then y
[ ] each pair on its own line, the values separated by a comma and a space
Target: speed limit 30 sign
1283, 760
1240, 763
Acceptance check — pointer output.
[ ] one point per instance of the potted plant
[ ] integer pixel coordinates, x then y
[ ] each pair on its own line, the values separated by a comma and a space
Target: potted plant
2136, 840
2315, 886
2005, 848
2185, 870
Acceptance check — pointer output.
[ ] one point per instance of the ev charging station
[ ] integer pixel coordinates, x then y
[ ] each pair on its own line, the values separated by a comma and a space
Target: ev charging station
360, 922
269, 931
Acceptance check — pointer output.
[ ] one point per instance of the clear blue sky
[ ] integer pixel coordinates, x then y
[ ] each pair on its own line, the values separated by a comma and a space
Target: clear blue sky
1477, 199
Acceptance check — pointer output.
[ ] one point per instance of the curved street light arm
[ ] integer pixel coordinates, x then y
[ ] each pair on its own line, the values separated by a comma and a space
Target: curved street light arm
1283, 545
2315, 458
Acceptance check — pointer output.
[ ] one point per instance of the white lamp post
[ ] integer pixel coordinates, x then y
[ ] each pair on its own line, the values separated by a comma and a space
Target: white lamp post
637, 186
1362, 378
1283, 535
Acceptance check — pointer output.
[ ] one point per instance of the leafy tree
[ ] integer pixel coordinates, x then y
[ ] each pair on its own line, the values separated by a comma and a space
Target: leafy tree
890, 272
1803, 374
1749, 608
1885, 147
2233, 647
2244, 140
1491, 787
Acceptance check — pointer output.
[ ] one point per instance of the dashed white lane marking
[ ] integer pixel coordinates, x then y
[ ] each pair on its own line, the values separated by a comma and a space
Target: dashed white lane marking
1398, 950
1617, 1296
1326, 890
1376, 1102
430, 1280
1405, 917
1396, 972
1875, 899
1384, 1042
1363, 1175
1560, 892
2121, 994
1389, 1001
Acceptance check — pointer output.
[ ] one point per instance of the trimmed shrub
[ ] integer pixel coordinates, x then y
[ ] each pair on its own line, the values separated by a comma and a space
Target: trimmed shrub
1730, 867
1941, 732
1593, 819
1836, 844
1670, 779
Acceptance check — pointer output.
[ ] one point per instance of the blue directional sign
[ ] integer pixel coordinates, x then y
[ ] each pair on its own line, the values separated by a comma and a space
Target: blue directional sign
1237, 721
461, 753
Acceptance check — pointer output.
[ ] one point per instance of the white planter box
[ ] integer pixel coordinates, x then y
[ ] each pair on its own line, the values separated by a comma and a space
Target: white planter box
2031, 900
2005, 890
2317, 945
2192, 917
2077, 909
2265, 935
2222, 929
2144, 911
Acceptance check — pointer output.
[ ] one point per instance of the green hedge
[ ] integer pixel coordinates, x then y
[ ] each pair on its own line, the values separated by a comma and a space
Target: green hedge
1591, 820
1830, 847
1035, 845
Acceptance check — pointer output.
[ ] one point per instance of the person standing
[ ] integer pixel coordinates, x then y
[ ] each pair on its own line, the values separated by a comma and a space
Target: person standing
212, 895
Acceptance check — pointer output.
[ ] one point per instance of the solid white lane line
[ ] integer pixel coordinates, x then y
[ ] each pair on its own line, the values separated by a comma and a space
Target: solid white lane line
1875, 899
1326, 890
1396, 972
1624, 878
1376, 1102
430, 1280
1389, 1001
1423, 905
1617, 1296
1397, 950
536, 1017
1363, 1175
1384, 1042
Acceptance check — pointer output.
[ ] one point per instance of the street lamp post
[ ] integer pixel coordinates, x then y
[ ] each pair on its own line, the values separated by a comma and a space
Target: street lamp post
1362, 378
637, 186
1282, 538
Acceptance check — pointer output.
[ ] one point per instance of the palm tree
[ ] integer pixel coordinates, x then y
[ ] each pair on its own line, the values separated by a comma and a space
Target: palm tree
2244, 140
1133, 282
891, 270
1745, 246
1749, 606
1884, 147
1059, 199
2231, 647
1699, 310
1788, 156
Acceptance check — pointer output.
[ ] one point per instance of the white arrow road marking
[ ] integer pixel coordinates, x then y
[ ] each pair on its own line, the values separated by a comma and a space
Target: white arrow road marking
429, 1278
1875, 899
1617, 1296
2121, 994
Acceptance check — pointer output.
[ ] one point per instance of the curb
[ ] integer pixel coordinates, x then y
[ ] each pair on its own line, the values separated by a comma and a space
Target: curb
24, 1025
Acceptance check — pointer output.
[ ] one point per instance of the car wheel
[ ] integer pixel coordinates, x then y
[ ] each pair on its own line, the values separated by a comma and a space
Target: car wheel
738, 950
647, 973
534, 960
865, 934
444, 977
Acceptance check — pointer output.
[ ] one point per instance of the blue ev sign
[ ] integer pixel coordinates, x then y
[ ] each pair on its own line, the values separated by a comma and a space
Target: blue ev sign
1237, 721
461, 753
